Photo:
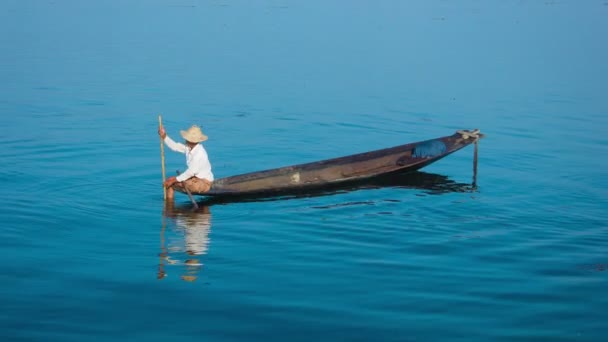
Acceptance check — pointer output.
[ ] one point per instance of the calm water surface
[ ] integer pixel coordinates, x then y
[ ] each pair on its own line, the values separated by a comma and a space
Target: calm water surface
87, 253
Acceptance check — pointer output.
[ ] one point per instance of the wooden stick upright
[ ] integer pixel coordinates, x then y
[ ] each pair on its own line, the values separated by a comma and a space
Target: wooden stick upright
162, 157
475, 157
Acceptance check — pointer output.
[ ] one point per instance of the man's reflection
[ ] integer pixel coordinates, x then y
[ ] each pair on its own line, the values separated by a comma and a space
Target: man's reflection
184, 239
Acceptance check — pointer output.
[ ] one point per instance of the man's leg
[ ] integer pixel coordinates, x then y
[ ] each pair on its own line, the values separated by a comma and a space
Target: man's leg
170, 194
197, 185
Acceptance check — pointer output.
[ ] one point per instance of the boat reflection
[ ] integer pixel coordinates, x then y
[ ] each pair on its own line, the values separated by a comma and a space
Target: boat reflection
184, 240
430, 183
185, 231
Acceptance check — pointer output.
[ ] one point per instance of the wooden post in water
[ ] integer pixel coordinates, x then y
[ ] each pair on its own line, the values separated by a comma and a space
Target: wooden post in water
475, 163
162, 157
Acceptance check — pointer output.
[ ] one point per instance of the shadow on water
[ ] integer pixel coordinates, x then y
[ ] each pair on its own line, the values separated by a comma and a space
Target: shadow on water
184, 240
430, 183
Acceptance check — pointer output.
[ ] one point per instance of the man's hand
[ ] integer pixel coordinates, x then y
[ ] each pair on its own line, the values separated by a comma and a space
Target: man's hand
161, 132
169, 182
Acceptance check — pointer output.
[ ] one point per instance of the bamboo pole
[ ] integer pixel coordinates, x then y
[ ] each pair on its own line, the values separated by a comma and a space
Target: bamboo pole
162, 157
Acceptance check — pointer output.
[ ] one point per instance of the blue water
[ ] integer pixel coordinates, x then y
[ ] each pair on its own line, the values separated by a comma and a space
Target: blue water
87, 253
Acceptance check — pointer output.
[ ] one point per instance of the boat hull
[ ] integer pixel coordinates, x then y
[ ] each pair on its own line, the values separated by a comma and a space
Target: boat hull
330, 172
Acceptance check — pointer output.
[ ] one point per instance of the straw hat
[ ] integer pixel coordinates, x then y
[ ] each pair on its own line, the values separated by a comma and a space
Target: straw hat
194, 134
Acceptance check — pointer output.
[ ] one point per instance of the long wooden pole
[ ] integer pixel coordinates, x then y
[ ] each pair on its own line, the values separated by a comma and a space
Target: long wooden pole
162, 157
194, 204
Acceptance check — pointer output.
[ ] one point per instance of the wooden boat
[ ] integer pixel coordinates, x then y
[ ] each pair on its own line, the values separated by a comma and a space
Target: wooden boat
348, 169
428, 183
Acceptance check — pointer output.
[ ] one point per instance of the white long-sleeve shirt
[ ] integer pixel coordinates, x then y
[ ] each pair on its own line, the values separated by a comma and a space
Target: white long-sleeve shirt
196, 158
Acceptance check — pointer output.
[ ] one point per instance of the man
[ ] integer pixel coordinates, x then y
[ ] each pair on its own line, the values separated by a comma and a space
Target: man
198, 177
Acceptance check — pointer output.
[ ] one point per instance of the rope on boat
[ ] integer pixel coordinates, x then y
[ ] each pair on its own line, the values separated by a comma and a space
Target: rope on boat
466, 134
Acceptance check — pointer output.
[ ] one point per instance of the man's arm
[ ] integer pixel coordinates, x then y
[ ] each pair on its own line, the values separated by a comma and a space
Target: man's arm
177, 147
